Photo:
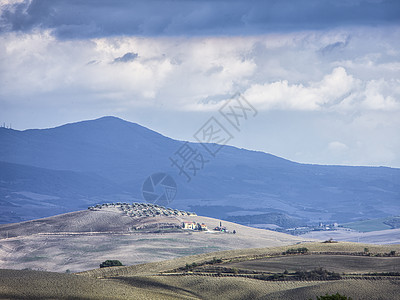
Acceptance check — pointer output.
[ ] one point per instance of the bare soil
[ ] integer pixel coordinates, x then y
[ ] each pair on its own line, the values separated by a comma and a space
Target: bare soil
336, 263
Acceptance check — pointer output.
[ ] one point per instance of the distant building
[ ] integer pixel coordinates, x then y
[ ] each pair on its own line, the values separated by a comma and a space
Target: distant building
221, 228
194, 226
189, 225
203, 227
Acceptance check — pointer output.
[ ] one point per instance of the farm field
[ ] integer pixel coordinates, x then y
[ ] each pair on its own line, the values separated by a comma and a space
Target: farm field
26, 284
165, 262
237, 255
374, 224
389, 236
337, 263
157, 280
46, 285
368, 225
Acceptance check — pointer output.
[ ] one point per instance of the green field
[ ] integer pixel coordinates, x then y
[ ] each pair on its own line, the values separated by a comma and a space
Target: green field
368, 225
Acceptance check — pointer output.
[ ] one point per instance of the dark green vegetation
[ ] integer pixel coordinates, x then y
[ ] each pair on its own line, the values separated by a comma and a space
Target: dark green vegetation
189, 267
330, 241
374, 224
302, 250
336, 296
300, 275
110, 263
317, 274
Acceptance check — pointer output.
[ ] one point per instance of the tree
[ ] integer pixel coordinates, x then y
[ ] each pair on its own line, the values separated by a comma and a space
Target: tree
336, 296
110, 263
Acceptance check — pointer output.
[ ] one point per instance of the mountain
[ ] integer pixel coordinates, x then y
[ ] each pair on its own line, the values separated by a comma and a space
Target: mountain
27, 192
108, 160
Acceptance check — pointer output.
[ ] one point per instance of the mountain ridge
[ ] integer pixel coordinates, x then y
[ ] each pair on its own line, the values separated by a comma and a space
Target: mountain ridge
237, 181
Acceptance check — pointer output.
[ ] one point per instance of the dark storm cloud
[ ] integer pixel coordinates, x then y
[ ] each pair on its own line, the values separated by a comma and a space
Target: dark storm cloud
127, 57
334, 46
83, 19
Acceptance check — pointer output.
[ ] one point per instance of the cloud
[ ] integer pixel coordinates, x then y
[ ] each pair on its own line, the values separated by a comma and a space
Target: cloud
337, 146
89, 19
127, 57
332, 89
334, 46
198, 74
382, 95
349, 95
336, 91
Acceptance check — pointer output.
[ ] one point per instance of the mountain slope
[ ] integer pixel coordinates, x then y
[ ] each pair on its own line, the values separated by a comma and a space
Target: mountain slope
28, 192
235, 182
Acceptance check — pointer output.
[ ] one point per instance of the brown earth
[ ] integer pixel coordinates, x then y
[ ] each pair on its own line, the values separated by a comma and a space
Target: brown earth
336, 263
147, 281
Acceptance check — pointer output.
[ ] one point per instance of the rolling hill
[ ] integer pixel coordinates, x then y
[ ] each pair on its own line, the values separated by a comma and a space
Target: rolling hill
81, 240
62, 169
162, 261
238, 276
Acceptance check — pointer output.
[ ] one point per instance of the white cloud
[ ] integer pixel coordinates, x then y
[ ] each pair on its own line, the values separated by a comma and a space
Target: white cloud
313, 96
337, 146
356, 84
274, 72
382, 95
337, 90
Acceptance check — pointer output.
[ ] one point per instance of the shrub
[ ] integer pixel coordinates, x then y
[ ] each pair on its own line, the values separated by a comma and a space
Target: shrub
216, 261
317, 274
336, 296
329, 241
189, 267
302, 250
110, 263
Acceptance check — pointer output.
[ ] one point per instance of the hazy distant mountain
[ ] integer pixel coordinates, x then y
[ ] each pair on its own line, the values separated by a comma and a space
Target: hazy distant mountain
69, 167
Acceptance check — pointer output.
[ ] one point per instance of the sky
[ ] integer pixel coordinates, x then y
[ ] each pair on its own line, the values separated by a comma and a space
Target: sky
323, 76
